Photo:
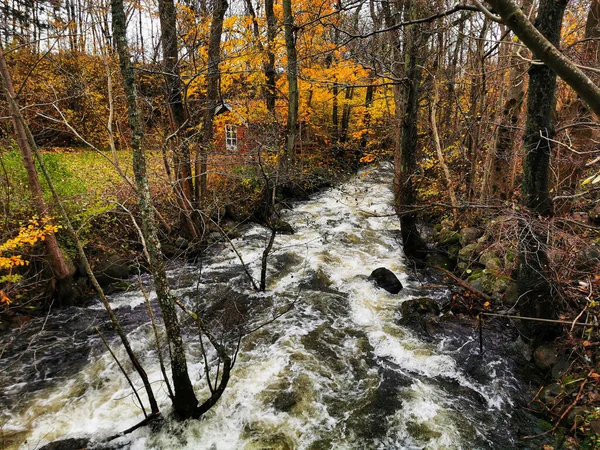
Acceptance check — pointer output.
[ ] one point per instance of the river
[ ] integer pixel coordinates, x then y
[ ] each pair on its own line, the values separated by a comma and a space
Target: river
336, 371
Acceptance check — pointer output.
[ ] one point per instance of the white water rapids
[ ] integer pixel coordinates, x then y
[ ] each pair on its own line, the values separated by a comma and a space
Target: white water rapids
336, 371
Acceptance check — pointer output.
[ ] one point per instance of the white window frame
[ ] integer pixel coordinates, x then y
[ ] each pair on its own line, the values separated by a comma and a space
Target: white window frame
231, 140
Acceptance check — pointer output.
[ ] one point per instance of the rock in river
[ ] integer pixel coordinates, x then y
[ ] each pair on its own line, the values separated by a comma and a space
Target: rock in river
385, 279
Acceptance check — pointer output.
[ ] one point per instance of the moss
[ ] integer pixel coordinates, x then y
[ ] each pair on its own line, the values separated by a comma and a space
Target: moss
475, 275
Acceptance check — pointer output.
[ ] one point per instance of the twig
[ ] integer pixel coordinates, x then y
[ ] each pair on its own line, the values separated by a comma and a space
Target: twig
568, 410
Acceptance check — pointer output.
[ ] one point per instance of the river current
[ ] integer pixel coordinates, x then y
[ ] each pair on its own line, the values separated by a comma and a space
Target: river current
336, 371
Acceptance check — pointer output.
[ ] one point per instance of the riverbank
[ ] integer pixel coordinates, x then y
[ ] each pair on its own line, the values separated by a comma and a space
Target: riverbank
482, 260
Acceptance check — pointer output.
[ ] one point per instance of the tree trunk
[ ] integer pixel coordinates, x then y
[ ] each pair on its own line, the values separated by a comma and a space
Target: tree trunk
58, 263
346, 113
533, 272
271, 88
212, 95
292, 76
405, 159
476, 100
540, 109
179, 124
184, 400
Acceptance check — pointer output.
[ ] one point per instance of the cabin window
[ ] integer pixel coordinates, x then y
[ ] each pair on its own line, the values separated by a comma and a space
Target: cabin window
231, 141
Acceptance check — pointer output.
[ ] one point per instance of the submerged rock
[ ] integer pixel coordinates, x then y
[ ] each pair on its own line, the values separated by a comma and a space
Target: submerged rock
113, 268
282, 227
385, 279
417, 309
67, 444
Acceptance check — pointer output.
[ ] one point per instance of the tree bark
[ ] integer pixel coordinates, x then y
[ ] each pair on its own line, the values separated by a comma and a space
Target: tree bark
405, 156
212, 95
540, 108
533, 272
184, 400
292, 76
179, 123
271, 88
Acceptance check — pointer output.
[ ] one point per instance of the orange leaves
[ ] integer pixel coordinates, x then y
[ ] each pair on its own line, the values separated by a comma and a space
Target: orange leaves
4, 298
368, 158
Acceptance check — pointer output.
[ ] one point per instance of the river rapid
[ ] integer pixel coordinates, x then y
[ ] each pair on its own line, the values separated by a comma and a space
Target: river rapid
336, 371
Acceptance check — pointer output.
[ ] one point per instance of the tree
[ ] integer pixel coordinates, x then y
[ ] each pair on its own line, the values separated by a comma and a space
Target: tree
292, 77
179, 120
533, 278
185, 402
544, 50
497, 182
184, 399
407, 100
212, 95
58, 263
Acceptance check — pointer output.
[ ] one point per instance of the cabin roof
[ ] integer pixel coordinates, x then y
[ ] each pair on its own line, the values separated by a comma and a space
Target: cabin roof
225, 107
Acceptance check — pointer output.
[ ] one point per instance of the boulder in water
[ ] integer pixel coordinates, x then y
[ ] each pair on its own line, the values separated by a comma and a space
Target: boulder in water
67, 444
415, 310
282, 227
385, 279
113, 268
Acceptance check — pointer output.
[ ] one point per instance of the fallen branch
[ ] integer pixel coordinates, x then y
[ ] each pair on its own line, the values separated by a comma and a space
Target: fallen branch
539, 319
462, 283
151, 418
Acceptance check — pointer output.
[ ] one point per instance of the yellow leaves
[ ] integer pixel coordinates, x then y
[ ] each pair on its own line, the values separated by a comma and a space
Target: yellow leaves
36, 230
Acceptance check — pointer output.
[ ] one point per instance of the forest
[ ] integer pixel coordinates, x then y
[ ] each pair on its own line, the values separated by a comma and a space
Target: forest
193, 195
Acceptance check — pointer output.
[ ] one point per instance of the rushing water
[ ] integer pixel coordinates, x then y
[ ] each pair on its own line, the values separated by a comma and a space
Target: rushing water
336, 371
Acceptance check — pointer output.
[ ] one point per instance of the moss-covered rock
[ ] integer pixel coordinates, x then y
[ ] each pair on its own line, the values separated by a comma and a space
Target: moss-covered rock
469, 235
511, 294
447, 237
468, 253
490, 260
475, 275
417, 309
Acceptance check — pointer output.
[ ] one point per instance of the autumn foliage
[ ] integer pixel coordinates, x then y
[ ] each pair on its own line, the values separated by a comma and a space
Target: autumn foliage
11, 252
